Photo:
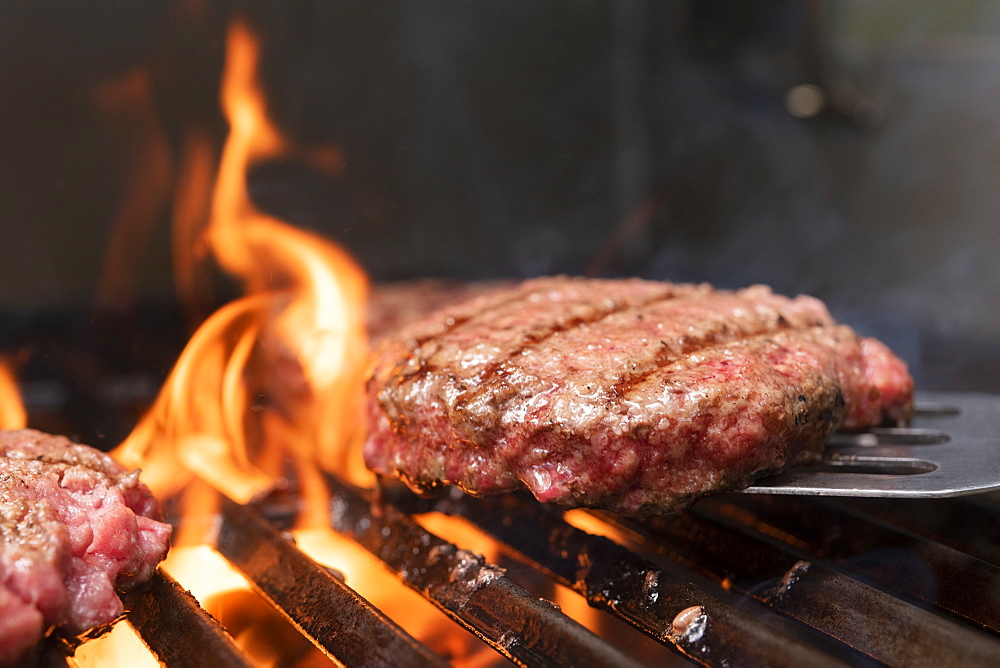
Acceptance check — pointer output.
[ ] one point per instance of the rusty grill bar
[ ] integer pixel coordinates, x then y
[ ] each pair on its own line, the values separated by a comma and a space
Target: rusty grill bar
960, 578
759, 580
330, 613
832, 602
475, 594
178, 630
621, 582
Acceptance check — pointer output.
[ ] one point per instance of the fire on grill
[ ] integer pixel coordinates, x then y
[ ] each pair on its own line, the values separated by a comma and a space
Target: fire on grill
287, 552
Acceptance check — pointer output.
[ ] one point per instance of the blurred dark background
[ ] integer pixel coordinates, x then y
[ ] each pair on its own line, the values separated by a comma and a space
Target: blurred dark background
849, 150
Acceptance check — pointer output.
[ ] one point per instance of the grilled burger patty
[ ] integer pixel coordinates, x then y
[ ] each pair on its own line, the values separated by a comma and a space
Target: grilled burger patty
74, 527
630, 395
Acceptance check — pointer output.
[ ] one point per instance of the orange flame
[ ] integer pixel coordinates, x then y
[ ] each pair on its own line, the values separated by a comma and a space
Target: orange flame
296, 339
12, 412
270, 379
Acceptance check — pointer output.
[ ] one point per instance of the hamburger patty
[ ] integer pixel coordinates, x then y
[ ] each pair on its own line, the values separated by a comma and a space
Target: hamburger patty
74, 527
630, 395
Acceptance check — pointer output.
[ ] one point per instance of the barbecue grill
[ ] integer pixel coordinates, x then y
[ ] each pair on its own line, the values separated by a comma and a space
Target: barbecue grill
738, 579
737, 185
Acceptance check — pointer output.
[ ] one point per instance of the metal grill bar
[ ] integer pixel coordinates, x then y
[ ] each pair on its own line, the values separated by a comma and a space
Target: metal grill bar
331, 614
177, 630
970, 524
730, 550
948, 578
613, 578
474, 593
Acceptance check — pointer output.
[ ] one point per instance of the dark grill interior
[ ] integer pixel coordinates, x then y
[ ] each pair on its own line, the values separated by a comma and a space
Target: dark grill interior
736, 580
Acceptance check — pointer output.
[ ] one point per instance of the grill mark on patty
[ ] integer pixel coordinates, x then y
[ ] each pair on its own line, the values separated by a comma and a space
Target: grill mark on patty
825, 393
455, 323
490, 383
489, 387
723, 333
489, 378
533, 337
503, 297
400, 373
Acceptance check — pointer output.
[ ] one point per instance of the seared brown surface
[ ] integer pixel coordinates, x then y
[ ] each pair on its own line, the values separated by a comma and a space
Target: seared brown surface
629, 395
74, 526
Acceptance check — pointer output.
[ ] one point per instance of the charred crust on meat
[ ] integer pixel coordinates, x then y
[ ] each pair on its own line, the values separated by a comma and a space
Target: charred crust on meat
826, 415
636, 403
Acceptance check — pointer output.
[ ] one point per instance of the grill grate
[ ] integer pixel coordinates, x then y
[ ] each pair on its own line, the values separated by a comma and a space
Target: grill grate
322, 607
178, 631
474, 593
616, 579
753, 559
737, 580
883, 555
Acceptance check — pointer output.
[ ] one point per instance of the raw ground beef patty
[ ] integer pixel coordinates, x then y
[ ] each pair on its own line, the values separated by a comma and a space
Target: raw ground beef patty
630, 395
74, 527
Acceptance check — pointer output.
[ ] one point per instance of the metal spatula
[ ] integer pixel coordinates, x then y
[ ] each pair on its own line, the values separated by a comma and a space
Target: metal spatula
952, 448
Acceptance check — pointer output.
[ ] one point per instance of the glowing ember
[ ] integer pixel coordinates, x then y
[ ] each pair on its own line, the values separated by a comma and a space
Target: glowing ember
583, 520
12, 413
369, 577
121, 647
266, 637
572, 603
